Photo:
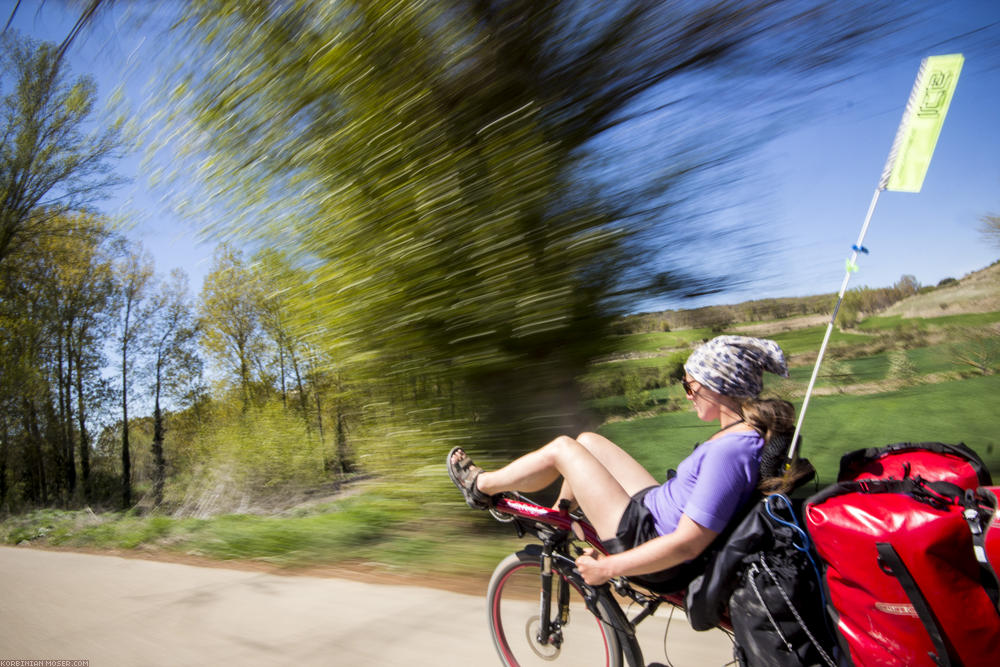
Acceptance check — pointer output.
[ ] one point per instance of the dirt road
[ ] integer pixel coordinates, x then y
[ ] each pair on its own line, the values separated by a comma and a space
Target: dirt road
129, 612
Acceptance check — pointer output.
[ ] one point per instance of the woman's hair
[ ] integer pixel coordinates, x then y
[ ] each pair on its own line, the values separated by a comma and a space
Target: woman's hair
770, 417
774, 419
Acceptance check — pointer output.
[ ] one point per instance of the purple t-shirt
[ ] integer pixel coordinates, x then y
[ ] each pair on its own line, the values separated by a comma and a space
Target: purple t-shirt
711, 484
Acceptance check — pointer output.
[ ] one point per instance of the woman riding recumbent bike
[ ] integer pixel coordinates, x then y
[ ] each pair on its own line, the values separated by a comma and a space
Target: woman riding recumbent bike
650, 533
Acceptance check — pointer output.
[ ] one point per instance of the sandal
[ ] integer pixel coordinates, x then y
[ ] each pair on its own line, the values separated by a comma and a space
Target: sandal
463, 473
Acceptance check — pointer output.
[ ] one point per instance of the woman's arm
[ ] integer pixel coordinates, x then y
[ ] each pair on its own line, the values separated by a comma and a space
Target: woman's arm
666, 551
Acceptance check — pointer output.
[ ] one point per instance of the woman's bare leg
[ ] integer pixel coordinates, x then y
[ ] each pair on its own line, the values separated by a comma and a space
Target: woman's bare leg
595, 488
626, 470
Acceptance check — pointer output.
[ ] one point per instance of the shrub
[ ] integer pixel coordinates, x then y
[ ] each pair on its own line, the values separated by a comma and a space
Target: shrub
637, 397
901, 368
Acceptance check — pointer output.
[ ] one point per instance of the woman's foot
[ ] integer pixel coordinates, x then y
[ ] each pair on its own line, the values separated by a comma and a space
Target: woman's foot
463, 473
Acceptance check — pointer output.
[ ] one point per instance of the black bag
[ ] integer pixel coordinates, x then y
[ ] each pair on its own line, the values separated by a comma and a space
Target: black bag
765, 576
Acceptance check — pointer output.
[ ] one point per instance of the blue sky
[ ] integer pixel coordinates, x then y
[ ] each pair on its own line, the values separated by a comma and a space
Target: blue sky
813, 184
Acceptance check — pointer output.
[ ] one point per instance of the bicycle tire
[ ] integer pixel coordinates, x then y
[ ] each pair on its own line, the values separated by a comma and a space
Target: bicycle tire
513, 607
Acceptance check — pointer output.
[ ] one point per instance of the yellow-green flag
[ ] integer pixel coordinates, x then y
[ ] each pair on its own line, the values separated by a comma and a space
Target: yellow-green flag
918, 132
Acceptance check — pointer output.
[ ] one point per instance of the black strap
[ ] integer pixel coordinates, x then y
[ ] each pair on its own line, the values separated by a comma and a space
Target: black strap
979, 518
937, 494
892, 564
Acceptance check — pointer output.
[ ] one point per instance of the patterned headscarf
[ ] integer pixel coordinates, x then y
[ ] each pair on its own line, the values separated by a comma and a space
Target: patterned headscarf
734, 365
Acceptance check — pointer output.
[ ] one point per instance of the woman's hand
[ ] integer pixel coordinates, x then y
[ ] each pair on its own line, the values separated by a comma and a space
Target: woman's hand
594, 567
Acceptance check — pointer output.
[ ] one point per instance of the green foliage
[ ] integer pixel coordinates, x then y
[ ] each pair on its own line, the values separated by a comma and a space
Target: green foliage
637, 397
51, 164
440, 173
866, 301
242, 457
230, 311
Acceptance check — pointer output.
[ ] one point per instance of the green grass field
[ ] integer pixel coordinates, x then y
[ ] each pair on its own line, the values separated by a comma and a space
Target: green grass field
653, 342
956, 411
810, 339
896, 322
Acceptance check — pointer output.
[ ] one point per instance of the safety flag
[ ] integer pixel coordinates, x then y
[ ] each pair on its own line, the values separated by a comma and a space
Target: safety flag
918, 131
904, 172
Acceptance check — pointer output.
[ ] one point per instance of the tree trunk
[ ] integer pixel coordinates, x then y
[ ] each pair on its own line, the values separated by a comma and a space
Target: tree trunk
245, 379
84, 440
160, 464
69, 456
4, 448
302, 393
126, 457
67, 472
37, 465
281, 370
343, 453
319, 412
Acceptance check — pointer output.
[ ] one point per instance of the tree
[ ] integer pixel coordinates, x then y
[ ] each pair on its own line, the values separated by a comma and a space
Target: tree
906, 286
275, 317
81, 292
174, 359
447, 174
54, 299
49, 164
990, 228
230, 313
134, 308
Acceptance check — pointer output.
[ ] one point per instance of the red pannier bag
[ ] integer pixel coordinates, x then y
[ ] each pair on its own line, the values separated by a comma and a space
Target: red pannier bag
903, 583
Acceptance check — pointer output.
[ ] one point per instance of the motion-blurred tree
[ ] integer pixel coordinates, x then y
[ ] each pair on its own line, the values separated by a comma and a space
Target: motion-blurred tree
448, 172
174, 359
50, 163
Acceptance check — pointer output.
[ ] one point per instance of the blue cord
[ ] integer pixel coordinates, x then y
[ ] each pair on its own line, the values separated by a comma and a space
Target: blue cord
797, 533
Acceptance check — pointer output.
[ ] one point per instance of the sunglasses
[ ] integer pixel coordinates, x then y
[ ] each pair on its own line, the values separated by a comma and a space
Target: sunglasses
687, 387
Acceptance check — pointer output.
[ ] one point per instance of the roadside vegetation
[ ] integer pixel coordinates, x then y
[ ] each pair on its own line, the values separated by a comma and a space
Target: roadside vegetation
414, 257
890, 379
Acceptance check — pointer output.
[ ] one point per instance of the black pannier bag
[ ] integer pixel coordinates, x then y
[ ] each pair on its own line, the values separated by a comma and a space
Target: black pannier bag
764, 577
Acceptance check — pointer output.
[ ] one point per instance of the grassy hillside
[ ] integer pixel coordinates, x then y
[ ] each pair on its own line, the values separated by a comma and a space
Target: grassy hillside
955, 411
975, 293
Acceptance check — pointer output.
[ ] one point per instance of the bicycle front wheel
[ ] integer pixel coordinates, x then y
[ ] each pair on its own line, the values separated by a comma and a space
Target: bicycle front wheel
513, 609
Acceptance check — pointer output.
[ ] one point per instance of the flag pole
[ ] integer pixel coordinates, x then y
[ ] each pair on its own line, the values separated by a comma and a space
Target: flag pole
850, 268
904, 171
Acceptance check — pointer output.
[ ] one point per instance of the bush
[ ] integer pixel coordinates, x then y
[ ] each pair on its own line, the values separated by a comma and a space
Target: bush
980, 353
637, 397
901, 368
242, 457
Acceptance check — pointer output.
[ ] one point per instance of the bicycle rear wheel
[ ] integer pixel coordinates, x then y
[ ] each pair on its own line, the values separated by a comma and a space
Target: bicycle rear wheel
513, 610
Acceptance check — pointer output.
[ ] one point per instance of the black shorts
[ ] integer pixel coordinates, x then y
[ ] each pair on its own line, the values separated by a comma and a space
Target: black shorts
638, 526
635, 527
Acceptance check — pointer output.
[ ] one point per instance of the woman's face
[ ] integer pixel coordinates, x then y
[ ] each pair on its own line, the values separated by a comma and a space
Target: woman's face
706, 402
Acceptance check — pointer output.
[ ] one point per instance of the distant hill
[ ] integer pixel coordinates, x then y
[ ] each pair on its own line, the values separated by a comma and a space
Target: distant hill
978, 292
